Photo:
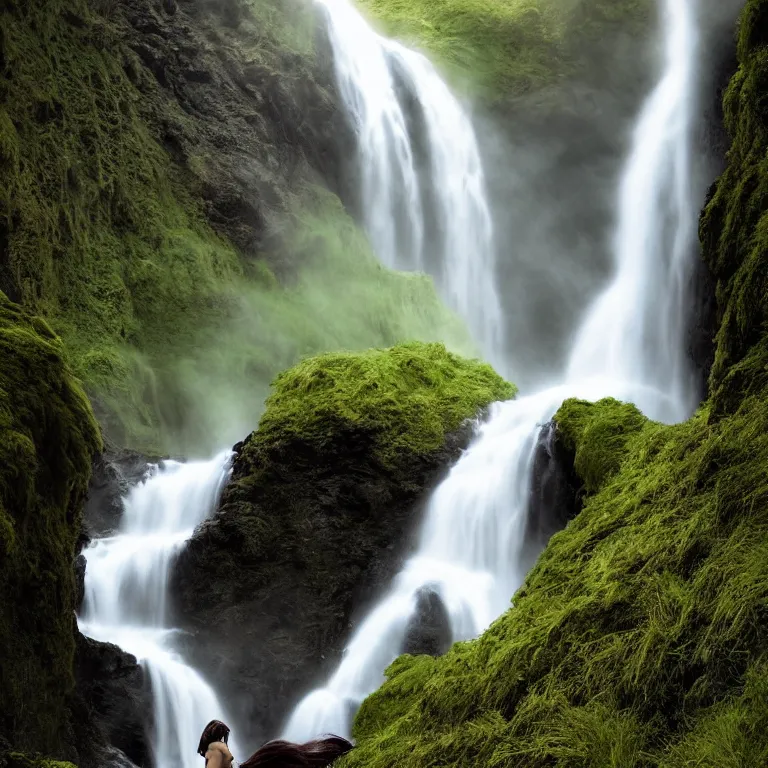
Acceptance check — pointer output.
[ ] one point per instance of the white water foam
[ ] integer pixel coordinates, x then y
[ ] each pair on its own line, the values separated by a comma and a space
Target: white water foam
630, 346
126, 587
398, 195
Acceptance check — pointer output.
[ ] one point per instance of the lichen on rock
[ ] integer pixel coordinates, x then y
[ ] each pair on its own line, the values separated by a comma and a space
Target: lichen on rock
315, 520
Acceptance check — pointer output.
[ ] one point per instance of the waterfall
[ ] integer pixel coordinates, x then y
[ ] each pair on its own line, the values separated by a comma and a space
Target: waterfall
126, 587
410, 210
629, 346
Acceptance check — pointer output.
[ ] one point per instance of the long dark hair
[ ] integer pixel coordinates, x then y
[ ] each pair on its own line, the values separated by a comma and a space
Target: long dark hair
214, 731
284, 754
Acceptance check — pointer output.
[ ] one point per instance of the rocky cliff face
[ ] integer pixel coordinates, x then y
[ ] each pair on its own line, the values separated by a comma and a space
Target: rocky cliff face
317, 518
112, 707
243, 102
48, 437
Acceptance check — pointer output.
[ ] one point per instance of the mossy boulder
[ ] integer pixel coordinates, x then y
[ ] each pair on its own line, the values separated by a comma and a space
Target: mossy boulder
19, 760
316, 518
48, 437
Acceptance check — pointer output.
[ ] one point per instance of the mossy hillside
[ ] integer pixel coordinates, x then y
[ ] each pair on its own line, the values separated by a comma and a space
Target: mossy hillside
48, 437
341, 298
96, 228
639, 638
734, 227
106, 234
406, 399
508, 48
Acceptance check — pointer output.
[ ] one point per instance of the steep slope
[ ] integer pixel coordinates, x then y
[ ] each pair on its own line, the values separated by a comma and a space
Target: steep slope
316, 518
48, 437
640, 636
162, 168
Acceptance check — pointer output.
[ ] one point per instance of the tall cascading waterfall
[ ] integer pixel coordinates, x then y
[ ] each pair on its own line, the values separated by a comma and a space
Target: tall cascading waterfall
630, 346
126, 587
399, 197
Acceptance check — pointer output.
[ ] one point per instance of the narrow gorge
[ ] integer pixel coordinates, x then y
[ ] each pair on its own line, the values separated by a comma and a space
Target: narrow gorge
271, 275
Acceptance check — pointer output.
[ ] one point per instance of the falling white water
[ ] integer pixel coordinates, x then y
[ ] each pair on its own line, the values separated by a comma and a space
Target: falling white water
126, 587
630, 346
635, 329
397, 195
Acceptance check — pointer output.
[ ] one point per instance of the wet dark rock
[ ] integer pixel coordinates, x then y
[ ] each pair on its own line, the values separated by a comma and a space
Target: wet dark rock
79, 581
303, 543
241, 117
114, 472
429, 631
555, 495
112, 707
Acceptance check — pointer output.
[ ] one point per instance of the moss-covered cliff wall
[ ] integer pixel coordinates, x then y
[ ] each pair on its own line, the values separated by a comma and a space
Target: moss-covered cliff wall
640, 637
167, 174
48, 437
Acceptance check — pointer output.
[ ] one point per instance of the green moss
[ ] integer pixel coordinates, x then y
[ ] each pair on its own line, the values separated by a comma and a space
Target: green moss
48, 437
734, 227
406, 398
509, 47
103, 234
597, 436
18, 760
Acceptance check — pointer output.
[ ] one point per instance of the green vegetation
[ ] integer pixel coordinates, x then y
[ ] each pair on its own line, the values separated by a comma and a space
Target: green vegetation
104, 235
734, 228
509, 47
405, 398
48, 437
342, 298
640, 637
17, 760
597, 437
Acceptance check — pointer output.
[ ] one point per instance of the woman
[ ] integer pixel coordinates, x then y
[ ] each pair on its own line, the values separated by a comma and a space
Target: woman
274, 754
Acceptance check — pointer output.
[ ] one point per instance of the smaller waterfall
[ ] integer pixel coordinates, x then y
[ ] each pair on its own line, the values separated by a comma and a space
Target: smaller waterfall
126, 593
636, 328
409, 210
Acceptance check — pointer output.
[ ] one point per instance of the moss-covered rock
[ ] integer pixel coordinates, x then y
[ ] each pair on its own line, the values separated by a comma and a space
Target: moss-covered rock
48, 437
596, 437
19, 760
406, 399
734, 228
316, 517
640, 637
